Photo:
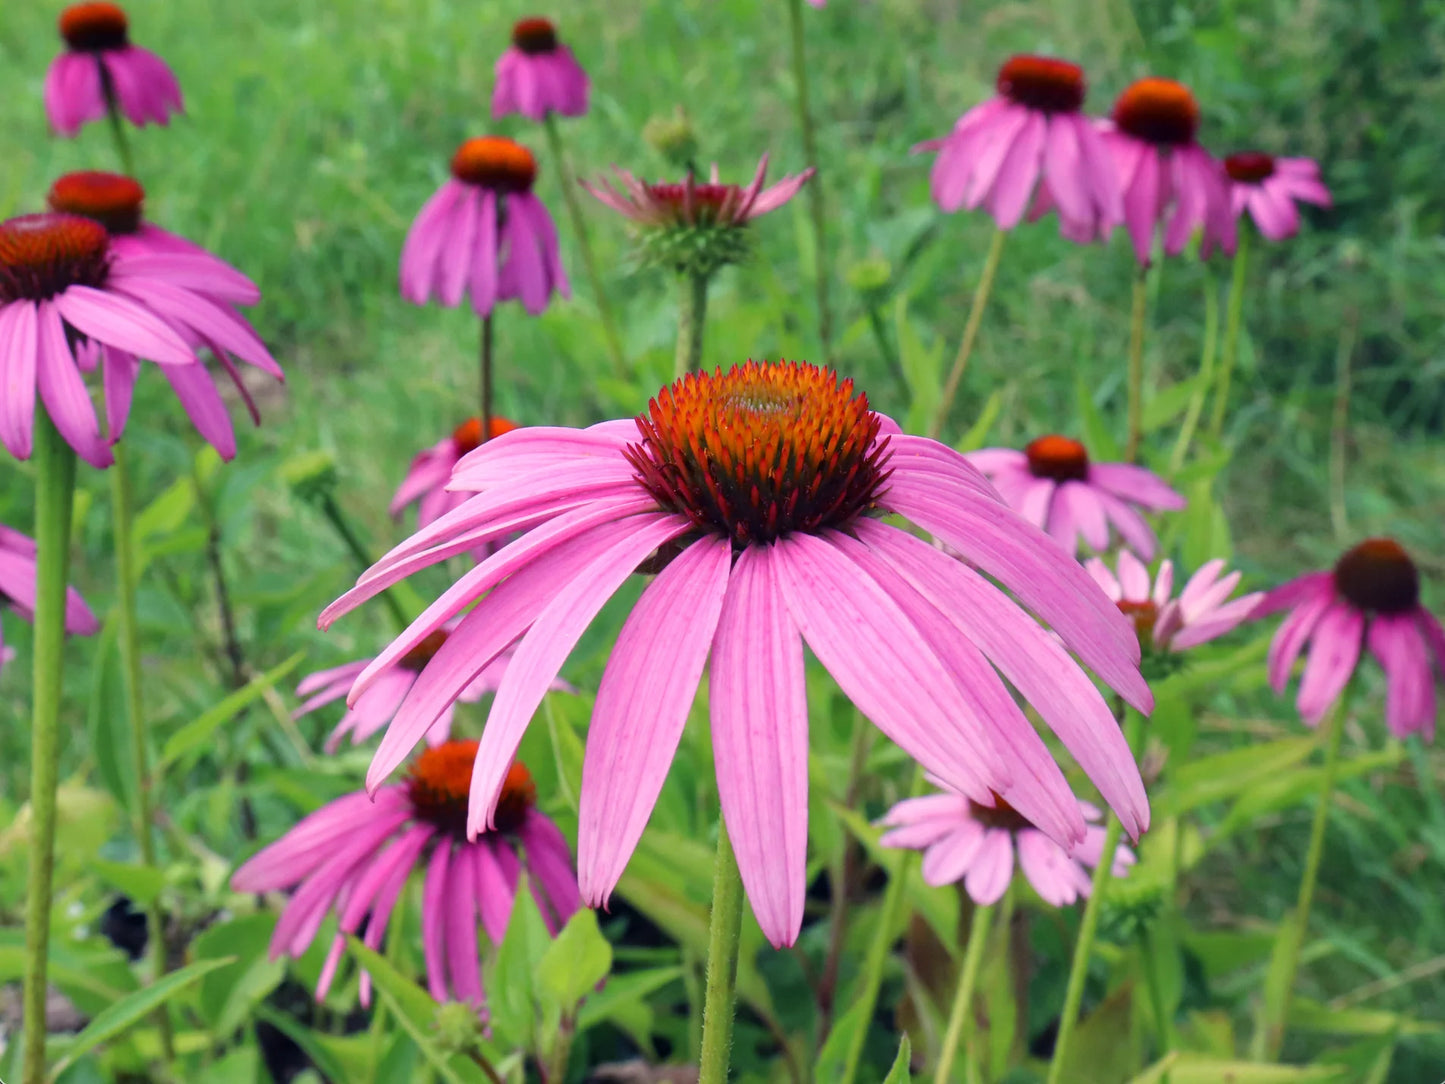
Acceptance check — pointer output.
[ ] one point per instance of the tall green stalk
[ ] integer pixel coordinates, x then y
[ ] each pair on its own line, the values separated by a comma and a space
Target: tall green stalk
1136, 364
584, 246
486, 377
691, 318
117, 126
816, 206
1233, 314
724, 934
981, 294
1089, 924
1206, 374
142, 817
961, 1014
54, 499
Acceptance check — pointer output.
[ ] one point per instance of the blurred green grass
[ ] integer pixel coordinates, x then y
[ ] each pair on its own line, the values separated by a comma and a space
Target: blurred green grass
315, 130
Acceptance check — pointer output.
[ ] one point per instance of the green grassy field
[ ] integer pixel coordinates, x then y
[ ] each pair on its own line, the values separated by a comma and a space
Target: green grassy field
315, 129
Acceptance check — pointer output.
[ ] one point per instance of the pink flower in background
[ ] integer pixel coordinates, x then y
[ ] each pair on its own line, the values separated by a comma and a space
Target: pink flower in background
757, 496
60, 283
100, 66
375, 709
354, 855
975, 842
1268, 187
692, 204
1370, 599
1168, 179
199, 301
1030, 141
538, 75
484, 234
17, 589
1202, 612
1053, 484
426, 479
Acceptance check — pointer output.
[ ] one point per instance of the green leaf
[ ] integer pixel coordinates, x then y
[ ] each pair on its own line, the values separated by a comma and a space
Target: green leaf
141, 883
515, 994
106, 719
228, 995
1307, 1015
899, 1074
1179, 1068
840, 1039
576, 961
416, 1011
118, 1017
973, 438
1223, 775
629, 988
1269, 795
1098, 437
195, 733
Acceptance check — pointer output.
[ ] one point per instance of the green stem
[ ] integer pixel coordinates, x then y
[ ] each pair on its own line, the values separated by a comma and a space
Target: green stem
584, 245
117, 125
961, 1013
883, 937
342, 526
1163, 1019
724, 932
691, 317
54, 499
486, 375
816, 206
1136, 364
1206, 374
885, 347
141, 813
1089, 925
1334, 733
1233, 314
1340, 428
970, 331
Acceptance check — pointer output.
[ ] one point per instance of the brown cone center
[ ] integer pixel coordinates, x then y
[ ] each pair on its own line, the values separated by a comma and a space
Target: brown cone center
999, 815
42, 255
90, 28
1042, 83
1377, 576
495, 162
1249, 167
535, 36
112, 199
1158, 111
1060, 458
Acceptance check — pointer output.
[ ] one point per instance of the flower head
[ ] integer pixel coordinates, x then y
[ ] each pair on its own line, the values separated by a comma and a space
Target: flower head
1054, 484
538, 75
760, 494
975, 842
101, 69
1167, 178
199, 302
17, 588
426, 479
1268, 187
374, 710
1370, 599
1030, 141
355, 855
484, 233
695, 227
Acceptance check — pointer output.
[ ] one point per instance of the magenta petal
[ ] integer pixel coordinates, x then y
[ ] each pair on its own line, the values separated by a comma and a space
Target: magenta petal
436, 890
494, 895
550, 861
118, 321
1396, 641
1334, 651
19, 348
1294, 632
63, 391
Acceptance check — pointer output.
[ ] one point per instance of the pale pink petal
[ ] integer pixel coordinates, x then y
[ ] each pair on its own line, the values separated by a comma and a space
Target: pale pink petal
1396, 641
1294, 632
1334, 651
950, 858
991, 869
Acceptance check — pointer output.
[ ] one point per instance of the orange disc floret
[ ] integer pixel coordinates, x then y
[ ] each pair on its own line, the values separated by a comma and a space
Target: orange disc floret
1043, 83
534, 36
41, 255
440, 782
1144, 616
112, 199
1249, 167
1060, 458
762, 450
467, 437
1377, 576
495, 162
1158, 111
93, 27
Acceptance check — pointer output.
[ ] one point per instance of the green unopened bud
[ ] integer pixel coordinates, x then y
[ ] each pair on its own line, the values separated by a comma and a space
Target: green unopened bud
701, 249
871, 277
673, 137
1133, 902
456, 1027
311, 475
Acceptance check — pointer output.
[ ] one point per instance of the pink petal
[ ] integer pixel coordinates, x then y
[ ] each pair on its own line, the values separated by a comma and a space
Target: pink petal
991, 870
1294, 632
19, 348
118, 321
1334, 651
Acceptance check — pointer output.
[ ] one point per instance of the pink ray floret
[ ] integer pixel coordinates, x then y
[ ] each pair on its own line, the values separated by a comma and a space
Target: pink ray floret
17, 589
1268, 189
691, 203
354, 856
1203, 611
100, 66
1055, 485
538, 75
1369, 600
1030, 148
773, 539
977, 842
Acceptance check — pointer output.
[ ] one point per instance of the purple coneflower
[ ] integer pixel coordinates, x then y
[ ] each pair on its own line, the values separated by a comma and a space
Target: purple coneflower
1031, 140
1371, 598
1167, 178
1053, 484
426, 479
538, 75
484, 234
17, 589
1202, 612
694, 204
356, 853
1268, 187
100, 67
758, 495
975, 842
199, 302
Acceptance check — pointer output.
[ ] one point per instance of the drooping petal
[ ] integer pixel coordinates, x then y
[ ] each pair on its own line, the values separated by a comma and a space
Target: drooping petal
1334, 651
991, 869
